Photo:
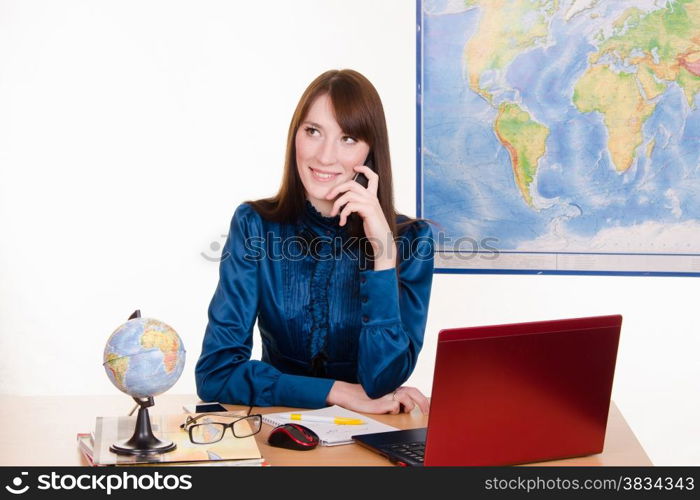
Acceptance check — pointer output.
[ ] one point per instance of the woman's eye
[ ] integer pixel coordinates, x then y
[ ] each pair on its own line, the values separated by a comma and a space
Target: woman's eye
311, 130
349, 140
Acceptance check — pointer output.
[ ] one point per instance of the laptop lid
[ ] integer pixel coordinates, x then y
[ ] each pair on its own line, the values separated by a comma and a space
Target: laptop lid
519, 393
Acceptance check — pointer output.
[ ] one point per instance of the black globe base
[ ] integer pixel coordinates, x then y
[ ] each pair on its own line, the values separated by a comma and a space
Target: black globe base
153, 447
143, 441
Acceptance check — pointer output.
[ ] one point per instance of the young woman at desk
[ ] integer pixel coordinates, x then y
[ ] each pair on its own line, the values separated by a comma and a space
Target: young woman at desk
338, 281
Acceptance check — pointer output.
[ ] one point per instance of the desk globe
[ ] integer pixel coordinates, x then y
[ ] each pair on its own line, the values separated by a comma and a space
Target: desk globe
143, 358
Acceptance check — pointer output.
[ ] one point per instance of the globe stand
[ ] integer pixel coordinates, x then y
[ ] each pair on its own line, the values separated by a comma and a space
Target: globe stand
143, 442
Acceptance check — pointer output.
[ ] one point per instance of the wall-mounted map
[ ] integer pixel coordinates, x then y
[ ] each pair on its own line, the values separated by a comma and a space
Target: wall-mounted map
561, 136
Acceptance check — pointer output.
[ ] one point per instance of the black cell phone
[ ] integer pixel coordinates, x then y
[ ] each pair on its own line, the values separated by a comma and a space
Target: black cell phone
204, 408
361, 178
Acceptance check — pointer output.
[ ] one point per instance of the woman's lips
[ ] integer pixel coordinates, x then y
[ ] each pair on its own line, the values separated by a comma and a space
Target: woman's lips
321, 177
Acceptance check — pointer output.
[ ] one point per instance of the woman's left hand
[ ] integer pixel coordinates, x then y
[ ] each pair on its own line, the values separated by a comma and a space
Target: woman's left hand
364, 202
353, 397
409, 398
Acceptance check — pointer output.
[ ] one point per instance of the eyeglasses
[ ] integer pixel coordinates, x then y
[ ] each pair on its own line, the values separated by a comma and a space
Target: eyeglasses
212, 428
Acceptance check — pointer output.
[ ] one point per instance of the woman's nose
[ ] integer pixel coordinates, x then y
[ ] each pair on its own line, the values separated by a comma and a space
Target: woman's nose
327, 154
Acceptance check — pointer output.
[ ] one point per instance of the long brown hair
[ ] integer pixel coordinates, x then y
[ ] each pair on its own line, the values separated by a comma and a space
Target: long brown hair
360, 114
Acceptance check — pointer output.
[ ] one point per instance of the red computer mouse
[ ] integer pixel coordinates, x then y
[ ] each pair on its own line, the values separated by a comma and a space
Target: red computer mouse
293, 437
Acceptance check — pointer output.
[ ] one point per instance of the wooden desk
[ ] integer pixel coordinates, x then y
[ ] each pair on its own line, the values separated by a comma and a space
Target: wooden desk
42, 431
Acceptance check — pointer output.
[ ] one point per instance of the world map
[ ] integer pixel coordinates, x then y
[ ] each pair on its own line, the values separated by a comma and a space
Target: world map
561, 135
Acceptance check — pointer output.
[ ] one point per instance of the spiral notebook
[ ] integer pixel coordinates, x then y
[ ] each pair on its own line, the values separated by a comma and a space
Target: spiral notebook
331, 434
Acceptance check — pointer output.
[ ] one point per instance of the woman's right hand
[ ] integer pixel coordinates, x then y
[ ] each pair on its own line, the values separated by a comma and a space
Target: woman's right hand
353, 397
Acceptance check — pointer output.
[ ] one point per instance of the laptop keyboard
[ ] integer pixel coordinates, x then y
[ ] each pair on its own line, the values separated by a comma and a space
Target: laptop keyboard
409, 451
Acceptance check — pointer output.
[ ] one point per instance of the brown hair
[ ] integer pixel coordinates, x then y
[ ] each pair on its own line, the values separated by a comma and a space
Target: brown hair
360, 114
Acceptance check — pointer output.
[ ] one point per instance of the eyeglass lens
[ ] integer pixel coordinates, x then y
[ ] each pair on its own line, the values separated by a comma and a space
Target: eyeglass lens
207, 433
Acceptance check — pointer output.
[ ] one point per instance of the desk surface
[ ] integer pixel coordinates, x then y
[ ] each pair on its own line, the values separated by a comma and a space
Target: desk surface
42, 431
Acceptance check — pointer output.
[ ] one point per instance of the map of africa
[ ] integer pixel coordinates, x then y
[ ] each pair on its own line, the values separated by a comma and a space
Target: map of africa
561, 135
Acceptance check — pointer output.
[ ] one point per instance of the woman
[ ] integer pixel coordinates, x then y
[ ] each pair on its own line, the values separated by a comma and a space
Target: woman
338, 282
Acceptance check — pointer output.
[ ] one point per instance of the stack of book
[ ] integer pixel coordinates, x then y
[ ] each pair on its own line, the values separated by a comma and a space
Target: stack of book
230, 451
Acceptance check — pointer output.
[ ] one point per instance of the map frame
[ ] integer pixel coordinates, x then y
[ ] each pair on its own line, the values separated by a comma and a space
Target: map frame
538, 263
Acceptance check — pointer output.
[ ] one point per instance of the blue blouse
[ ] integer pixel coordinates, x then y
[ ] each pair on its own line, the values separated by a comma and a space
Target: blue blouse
323, 313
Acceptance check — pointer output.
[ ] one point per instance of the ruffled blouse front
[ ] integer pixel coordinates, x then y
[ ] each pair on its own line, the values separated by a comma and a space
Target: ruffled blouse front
323, 313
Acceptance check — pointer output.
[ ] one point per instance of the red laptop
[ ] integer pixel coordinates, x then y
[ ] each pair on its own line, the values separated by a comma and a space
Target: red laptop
511, 394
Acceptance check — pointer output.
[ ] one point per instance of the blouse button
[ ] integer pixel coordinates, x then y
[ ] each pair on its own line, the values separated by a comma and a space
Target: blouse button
365, 319
364, 300
363, 279
327, 232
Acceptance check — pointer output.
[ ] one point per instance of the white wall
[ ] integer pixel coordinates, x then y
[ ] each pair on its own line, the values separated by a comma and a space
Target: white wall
129, 132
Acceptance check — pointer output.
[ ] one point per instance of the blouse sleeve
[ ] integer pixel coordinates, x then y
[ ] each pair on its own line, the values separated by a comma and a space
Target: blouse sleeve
224, 371
394, 313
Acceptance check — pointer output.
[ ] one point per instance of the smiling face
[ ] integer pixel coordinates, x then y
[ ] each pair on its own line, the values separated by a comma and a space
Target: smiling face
325, 154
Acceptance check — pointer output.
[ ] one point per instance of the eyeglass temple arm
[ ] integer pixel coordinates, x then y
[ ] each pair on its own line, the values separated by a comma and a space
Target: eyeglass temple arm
192, 420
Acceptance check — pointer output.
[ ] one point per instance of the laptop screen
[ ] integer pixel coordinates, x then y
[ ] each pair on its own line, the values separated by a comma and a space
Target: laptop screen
525, 392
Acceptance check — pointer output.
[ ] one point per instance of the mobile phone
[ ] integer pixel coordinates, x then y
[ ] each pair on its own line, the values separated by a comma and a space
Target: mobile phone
361, 178
204, 408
